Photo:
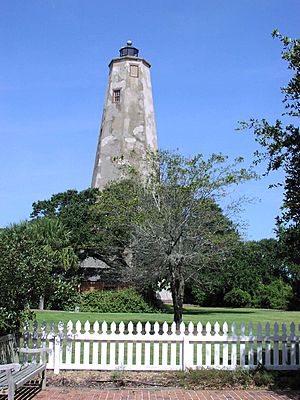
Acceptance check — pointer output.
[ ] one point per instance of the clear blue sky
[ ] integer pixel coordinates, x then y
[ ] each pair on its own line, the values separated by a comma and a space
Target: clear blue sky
213, 63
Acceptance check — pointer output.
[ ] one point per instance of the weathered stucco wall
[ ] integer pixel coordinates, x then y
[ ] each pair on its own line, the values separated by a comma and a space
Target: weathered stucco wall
128, 126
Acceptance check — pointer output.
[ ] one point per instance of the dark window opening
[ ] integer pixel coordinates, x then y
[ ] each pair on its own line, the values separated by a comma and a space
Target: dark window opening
116, 96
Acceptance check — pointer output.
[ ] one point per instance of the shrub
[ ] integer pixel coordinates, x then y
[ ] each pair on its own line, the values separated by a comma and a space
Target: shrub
277, 294
125, 300
199, 296
237, 298
64, 293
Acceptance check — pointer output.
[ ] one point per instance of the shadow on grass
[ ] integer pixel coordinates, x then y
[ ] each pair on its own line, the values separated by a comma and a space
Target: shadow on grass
168, 309
216, 311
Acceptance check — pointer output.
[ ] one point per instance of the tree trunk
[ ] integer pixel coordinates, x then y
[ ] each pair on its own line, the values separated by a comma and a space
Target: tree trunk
177, 289
41, 303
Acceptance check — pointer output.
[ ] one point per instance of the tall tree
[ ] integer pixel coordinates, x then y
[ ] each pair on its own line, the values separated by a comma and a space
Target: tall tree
72, 209
280, 147
30, 252
181, 230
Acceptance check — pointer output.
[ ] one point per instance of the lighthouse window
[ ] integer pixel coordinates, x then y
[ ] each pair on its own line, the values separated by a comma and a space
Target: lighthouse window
134, 71
116, 96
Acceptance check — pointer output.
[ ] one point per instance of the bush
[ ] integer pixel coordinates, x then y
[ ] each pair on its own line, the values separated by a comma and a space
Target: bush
199, 296
237, 298
277, 294
125, 300
64, 293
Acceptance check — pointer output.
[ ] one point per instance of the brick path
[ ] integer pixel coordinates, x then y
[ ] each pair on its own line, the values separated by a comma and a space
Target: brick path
161, 394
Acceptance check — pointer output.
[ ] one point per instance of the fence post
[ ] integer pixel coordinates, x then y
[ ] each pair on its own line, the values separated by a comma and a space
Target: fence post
185, 355
56, 354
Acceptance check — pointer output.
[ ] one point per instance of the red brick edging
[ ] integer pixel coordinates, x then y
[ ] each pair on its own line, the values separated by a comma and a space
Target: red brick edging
161, 394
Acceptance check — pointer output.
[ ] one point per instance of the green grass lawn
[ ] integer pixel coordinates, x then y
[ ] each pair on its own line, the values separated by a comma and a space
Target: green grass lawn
191, 313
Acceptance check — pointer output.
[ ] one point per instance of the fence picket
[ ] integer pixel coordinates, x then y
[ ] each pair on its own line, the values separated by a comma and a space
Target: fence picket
208, 345
284, 345
217, 344
225, 345
268, 346
166, 347
69, 340
276, 345
43, 339
242, 345
77, 343
233, 346
293, 344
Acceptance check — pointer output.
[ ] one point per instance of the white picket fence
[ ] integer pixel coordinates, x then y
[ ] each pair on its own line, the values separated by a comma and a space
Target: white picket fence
162, 347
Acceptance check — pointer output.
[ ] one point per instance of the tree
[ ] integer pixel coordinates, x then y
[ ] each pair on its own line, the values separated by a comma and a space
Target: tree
30, 252
280, 147
180, 230
114, 216
251, 264
72, 209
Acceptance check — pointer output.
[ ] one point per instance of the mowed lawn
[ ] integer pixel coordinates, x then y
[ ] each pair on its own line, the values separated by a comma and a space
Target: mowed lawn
191, 313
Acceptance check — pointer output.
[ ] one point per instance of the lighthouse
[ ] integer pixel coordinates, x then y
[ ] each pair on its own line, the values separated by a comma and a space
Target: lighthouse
128, 129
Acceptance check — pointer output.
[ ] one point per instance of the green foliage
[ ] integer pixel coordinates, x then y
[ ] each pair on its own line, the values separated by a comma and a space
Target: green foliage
221, 379
199, 296
275, 295
72, 209
279, 146
181, 231
29, 253
64, 293
125, 301
114, 215
237, 298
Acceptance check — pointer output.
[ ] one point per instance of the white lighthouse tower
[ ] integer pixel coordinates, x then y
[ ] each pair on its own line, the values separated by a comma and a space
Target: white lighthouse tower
128, 125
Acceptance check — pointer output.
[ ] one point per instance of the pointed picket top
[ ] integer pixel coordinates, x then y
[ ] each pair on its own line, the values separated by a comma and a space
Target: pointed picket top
27, 327
250, 329
173, 328
268, 329
199, 328
130, 327
139, 327
113, 327
259, 329
284, 329
208, 328
190, 328
60, 328
156, 327
217, 328
96, 327
276, 329
121, 327
233, 329
69, 328
225, 328
87, 327
165, 327
104, 327
44, 329
147, 327
51, 334
242, 329
35, 326
182, 327
26, 334
78, 327
292, 328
